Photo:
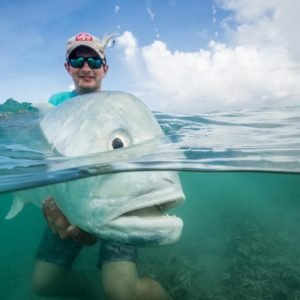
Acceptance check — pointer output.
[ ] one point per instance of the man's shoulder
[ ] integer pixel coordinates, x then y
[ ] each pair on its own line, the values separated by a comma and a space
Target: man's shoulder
61, 97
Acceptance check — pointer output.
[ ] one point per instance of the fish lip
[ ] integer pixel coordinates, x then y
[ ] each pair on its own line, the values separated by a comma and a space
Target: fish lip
159, 202
149, 231
162, 206
158, 210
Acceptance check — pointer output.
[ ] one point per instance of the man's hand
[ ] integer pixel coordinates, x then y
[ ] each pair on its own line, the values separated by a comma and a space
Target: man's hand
61, 226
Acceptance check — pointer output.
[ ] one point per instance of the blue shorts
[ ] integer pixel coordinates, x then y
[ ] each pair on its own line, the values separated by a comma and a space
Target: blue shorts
54, 250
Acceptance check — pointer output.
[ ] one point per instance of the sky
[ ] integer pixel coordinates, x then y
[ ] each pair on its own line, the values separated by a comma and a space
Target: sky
177, 56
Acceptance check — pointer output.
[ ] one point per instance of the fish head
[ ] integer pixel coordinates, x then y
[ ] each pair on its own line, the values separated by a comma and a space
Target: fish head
127, 207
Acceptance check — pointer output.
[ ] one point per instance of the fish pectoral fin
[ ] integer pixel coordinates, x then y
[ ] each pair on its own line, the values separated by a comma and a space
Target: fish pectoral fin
16, 207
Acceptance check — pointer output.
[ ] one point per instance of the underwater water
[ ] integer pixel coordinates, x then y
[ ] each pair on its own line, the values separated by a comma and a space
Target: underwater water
240, 173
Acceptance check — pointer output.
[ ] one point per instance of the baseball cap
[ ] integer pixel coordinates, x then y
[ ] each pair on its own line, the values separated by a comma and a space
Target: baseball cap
88, 40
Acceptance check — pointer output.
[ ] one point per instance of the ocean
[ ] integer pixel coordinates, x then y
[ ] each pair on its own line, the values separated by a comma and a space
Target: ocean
240, 172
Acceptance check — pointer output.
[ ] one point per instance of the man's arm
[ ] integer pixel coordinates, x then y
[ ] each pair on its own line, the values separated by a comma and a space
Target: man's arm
60, 225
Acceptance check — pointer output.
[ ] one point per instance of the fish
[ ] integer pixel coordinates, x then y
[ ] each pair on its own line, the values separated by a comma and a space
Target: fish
126, 207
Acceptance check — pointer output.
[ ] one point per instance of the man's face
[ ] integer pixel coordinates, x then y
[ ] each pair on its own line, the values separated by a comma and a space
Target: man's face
86, 79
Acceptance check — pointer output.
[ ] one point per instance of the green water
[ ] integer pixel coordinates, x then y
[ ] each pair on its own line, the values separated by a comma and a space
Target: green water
240, 241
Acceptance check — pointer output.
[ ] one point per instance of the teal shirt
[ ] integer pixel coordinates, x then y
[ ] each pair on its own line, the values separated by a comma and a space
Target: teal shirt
61, 97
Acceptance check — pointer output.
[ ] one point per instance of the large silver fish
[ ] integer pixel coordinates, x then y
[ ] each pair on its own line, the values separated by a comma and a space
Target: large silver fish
127, 207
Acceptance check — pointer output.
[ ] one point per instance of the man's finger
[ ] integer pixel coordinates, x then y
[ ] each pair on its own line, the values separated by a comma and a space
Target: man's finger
56, 220
47, 213
82, 236
74, 231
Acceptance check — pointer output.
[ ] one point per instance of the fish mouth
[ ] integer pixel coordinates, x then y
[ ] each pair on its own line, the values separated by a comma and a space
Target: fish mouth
151, 213
156, 210
147, 226
147, 222
147, 205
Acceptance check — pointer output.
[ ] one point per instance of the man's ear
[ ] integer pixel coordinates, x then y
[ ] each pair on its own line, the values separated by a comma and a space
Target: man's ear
105, 68
67, 67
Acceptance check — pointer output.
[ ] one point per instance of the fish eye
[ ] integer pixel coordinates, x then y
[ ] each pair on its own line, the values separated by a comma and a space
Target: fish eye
119, 139
117, 143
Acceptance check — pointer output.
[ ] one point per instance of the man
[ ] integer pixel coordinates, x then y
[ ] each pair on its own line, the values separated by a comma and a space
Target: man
62, 242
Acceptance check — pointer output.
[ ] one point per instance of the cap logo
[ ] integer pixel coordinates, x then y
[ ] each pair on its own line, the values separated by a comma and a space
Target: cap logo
84, 37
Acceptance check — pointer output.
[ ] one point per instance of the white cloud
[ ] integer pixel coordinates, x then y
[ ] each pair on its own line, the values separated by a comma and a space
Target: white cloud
257, 67
220, 77
249, 10
129, 43
261, 23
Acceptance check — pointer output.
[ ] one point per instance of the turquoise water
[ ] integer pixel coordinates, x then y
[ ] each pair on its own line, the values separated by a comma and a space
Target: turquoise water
240, 174
240, 241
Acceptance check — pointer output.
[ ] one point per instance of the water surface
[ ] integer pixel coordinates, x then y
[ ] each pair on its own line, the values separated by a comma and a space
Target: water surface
240, 172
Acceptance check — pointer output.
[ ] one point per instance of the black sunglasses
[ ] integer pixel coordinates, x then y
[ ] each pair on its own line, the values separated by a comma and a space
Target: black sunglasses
93, 62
